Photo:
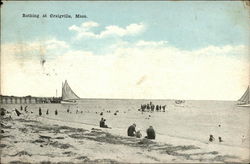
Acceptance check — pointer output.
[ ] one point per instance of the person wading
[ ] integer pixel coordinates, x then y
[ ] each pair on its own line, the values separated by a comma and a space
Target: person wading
211, 138
40, 111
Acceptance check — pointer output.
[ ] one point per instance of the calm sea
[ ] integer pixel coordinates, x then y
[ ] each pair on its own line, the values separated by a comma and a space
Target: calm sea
195, 120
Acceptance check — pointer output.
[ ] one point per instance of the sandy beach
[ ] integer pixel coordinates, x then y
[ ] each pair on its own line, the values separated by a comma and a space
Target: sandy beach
30, 138
124, 82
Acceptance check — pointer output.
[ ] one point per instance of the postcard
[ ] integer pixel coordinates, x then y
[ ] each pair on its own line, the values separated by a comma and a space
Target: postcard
125, 82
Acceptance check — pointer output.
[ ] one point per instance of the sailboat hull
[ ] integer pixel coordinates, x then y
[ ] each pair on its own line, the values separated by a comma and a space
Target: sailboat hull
244, 105
68, 102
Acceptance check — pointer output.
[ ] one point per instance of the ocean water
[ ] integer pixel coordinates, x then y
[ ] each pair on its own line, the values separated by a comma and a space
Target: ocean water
195, 120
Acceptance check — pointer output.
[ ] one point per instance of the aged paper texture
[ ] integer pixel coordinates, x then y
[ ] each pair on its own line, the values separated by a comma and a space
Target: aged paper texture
125, 82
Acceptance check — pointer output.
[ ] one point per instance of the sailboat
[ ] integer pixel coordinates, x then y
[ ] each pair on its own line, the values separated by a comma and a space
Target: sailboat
179, 103
68, 95
244, 101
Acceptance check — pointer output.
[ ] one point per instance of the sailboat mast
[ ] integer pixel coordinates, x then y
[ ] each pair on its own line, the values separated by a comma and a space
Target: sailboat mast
248, 95
62, 90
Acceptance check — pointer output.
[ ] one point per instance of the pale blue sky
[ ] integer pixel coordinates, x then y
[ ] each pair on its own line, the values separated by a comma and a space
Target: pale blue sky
126, 49
185, 25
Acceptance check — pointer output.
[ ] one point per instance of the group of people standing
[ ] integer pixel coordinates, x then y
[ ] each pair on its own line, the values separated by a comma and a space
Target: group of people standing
47, 111
133, 133
151, 107
77, 111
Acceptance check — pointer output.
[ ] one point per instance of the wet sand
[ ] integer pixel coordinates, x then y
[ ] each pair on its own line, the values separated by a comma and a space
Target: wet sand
32, 139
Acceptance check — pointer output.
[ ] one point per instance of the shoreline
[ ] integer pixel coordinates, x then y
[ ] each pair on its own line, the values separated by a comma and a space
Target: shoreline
32, 139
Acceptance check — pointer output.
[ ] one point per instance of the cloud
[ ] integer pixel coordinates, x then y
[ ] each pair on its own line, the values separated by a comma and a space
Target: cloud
55, 44
37, 47
90, 24
84, 30
24, 65
144, 69
84, 26
151, 43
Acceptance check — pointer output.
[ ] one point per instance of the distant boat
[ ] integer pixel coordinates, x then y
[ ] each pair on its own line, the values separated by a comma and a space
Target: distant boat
179, 101
68, 95
244, 101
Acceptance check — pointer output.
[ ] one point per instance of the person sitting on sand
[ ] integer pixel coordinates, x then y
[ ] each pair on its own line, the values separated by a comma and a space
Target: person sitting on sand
47, 112
102, 123
211, 138
150, 133
56, 112
105, 126
131, 130
138, 134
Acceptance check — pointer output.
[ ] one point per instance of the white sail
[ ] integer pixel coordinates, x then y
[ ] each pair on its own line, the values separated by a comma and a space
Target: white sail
245, 98
67, 92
